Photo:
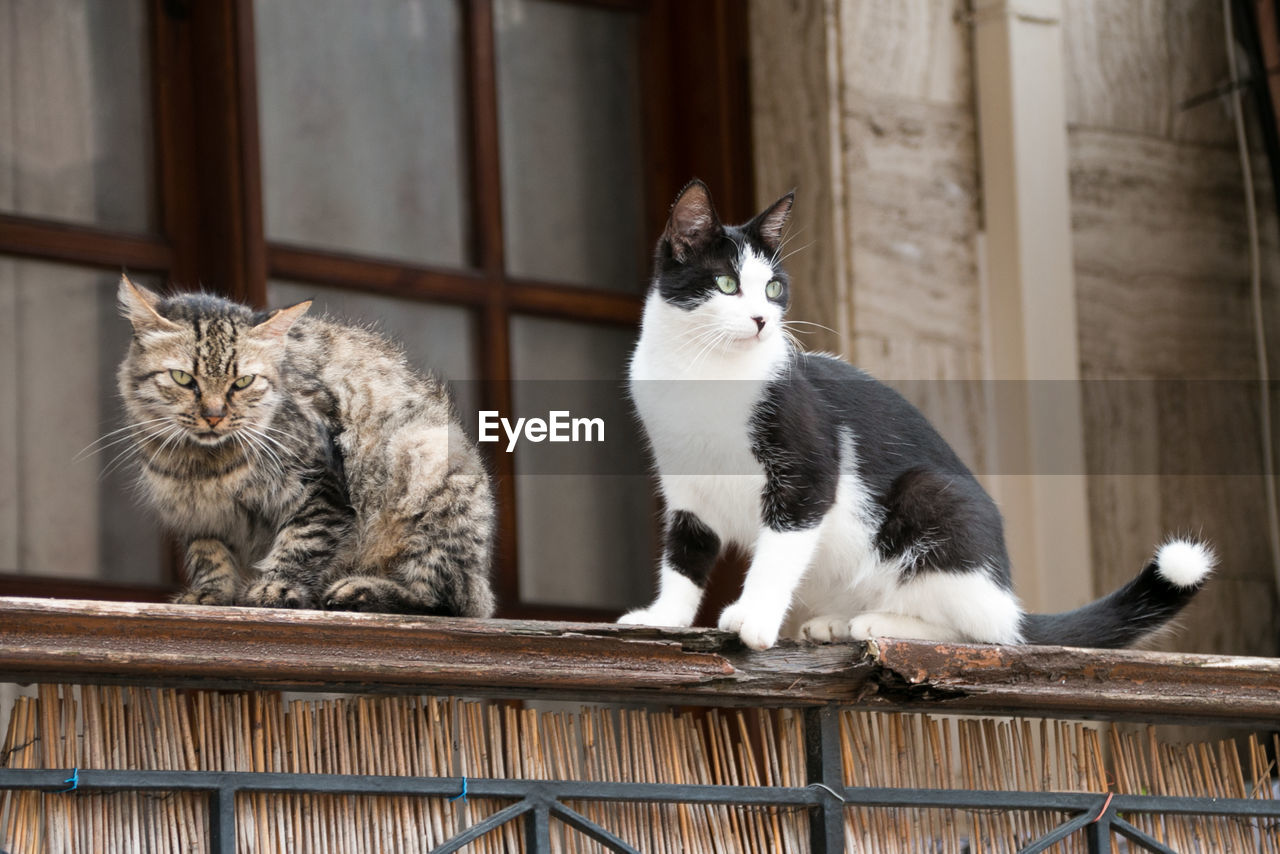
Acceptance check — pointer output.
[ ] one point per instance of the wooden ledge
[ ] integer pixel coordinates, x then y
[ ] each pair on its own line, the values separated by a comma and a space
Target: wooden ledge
48, 640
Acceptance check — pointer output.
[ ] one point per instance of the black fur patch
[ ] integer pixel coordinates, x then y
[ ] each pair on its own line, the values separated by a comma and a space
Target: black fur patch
939, 521
1116, 620
686, 266
692, 547
794, 437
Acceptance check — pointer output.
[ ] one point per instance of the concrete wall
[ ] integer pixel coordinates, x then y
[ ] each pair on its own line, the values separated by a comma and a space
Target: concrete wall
868, 106
1162, 286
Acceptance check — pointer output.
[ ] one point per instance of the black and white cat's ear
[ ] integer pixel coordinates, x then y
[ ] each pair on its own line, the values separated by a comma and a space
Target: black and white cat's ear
281, 321
770, 224
693, 222
141, 307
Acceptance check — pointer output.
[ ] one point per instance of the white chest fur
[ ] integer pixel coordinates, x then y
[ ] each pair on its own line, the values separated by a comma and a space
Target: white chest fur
697, 409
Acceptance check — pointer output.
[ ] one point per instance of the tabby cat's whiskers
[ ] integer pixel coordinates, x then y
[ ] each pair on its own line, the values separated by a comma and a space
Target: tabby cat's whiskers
260, 435
123, 457
97, 446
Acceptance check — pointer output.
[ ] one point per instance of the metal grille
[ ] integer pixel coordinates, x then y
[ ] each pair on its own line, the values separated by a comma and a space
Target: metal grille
539, 802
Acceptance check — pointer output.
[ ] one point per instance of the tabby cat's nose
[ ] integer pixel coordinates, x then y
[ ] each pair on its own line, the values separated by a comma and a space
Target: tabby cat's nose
213, 420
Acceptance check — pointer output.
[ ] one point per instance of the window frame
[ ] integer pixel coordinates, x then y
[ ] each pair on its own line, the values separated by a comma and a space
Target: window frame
210, 225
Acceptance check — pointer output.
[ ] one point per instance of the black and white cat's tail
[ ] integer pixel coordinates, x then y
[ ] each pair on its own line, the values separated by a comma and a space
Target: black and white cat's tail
1146, 604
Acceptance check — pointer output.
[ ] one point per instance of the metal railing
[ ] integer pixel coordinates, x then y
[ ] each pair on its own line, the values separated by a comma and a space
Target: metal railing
539, 802
257, 649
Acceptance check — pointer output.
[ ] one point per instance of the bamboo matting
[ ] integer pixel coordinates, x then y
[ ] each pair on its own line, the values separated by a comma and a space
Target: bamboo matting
140, 728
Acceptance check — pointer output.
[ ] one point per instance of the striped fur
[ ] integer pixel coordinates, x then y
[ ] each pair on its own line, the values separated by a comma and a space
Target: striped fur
333, 476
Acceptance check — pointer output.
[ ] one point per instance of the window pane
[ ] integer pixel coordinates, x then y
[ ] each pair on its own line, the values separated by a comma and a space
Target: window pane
63, 514
360, 117
585, 512
437, 338
75, 120
569, 116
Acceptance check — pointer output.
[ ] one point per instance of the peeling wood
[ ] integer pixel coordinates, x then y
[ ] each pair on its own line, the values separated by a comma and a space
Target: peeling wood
248, 648
1069, 682
62, 640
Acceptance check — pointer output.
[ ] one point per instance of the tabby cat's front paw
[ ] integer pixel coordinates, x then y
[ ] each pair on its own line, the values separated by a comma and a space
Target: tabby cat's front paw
277, 593
205, 596
365, 593
758, 629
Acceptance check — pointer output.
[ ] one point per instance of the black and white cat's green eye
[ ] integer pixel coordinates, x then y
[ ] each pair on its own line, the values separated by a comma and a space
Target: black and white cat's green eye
773, 290
182, 378
727, 284
245, 381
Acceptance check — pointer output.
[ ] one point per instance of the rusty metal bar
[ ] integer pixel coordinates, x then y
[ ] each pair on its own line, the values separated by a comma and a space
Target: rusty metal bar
825, 773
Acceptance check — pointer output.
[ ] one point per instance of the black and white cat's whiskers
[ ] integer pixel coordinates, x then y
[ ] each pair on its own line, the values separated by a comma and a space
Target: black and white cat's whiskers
706, 338
860, 519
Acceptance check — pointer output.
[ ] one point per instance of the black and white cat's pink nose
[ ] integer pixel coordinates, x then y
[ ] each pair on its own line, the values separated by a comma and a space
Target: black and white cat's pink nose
759, 322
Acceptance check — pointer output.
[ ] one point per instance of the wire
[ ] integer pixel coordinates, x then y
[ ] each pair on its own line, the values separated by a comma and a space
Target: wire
1255, 288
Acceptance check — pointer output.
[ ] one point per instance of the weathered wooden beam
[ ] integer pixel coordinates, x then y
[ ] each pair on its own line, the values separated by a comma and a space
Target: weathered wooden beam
68, 640
1092, 683
43, 640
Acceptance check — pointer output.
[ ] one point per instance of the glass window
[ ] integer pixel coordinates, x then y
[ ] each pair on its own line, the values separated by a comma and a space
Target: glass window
360, 115
569, 121
67, 506
436, 338
75, 121
585, 511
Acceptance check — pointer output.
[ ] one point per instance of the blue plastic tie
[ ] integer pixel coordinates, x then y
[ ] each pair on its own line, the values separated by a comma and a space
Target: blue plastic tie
461, 795
74, 780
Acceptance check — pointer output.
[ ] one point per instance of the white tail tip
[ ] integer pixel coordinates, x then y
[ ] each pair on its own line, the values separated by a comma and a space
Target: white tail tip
1184, 563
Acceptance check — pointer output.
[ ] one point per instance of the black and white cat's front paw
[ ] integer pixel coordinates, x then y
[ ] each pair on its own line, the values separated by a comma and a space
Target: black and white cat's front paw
757, 626
657, 615
835, 628
277, 592
830, 628
878, 624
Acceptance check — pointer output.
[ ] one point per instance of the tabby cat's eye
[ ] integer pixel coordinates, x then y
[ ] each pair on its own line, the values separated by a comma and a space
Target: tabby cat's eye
182, 378
727, 284
773, 290
245, 381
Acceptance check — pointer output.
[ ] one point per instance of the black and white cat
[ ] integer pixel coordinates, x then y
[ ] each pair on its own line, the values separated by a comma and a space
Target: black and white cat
860, 519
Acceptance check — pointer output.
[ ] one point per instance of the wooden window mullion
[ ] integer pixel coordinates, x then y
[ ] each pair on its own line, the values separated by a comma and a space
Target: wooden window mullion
493, 346
44, 240
356, 273
206, 110
252, 219
485, 165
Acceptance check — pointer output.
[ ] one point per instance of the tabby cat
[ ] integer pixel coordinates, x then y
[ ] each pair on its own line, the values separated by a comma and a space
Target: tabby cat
860, 519
304, 463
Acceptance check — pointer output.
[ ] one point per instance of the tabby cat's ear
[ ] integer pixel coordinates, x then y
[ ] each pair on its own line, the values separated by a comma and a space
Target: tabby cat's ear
279, 323
693, 221
139, 305
770, 223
